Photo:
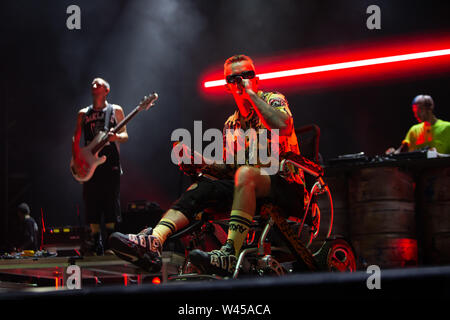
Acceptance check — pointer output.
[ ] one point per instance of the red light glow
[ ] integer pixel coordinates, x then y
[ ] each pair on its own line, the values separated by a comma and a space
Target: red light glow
42, 230
350, 64
339, 66
156, 280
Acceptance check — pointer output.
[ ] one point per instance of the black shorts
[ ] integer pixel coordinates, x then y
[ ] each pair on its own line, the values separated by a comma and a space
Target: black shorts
218, 195
289, 196
101, 195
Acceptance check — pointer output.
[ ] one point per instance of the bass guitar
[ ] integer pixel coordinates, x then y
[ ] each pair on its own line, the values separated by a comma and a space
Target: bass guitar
89, 153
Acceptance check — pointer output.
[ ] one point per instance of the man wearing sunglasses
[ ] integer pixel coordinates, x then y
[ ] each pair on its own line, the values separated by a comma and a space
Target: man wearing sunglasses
261, 111
239, 192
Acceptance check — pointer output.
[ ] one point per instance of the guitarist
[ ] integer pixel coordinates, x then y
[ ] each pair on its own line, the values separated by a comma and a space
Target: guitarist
101, 194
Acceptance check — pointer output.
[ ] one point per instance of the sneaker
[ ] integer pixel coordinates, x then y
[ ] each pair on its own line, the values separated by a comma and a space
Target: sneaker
221, 262
142, 249
108, 252
92, 246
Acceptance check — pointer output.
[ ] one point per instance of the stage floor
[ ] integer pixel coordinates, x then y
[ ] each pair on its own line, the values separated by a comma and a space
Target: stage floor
109, 277
50, 273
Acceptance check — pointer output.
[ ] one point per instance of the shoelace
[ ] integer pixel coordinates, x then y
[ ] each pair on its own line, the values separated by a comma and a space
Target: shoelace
223, 260
147, 242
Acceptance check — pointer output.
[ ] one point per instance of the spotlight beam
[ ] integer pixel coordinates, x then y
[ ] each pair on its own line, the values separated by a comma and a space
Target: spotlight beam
340, 66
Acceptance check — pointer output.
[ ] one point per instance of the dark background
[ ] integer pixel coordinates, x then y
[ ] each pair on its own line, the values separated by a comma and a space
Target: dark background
166, 46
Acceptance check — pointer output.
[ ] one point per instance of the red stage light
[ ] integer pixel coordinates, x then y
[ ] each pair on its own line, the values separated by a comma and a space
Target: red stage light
42, 230
341, 65
351, 64
156, 280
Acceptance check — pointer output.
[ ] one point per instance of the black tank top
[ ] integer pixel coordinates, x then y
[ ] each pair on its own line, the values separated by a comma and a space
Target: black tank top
93, 123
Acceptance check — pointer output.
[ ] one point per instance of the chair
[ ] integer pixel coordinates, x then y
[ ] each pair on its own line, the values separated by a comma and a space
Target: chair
269, 216
309, 138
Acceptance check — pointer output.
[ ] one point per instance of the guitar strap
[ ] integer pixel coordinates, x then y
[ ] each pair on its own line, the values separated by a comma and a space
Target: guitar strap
108, 114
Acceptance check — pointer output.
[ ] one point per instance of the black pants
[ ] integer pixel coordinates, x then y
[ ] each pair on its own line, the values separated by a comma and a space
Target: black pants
101, 195
218, 195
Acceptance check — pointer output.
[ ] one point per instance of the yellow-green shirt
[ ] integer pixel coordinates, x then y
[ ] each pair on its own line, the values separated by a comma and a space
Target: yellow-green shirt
425, 135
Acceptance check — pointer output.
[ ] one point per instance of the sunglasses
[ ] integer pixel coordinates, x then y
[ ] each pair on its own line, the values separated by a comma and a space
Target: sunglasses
237, 78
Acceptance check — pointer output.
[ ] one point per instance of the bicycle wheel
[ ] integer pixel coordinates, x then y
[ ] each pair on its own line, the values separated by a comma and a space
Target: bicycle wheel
336, 256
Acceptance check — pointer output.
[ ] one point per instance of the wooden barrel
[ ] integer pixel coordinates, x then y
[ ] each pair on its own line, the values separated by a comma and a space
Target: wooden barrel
380, 184
435, 185
387, 250
382, 217
435, 215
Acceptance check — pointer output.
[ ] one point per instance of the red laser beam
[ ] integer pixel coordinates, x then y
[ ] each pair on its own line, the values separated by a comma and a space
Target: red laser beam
409, 57
340, 66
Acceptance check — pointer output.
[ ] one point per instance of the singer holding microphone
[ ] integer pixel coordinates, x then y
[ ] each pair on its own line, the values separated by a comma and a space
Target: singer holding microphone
239, 192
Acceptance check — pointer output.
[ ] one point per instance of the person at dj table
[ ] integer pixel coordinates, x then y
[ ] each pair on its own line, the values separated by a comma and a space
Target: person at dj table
430, 132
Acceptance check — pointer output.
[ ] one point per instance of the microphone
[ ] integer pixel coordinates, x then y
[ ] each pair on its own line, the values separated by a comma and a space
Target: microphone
239, 85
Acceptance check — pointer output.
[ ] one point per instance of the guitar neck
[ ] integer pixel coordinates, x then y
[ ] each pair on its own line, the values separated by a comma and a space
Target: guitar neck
126, 120
145, 104
116, 129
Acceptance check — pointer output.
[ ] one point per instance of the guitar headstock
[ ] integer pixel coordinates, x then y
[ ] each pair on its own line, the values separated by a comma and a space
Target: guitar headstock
148, 101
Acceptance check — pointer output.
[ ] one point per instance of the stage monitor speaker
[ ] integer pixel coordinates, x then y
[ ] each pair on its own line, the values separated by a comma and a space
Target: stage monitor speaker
139, 215
66, 240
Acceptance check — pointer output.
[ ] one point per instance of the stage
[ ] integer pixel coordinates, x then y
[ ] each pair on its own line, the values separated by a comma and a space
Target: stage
111, 286
108, 277
51, 273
